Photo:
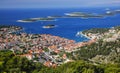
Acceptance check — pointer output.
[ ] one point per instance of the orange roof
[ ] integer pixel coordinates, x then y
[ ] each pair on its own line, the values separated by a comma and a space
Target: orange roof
48, 64
57, 51
64, 56
54, 65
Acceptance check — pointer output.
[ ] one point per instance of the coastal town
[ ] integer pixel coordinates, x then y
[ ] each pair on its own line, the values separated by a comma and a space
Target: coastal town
45, 48
59, 36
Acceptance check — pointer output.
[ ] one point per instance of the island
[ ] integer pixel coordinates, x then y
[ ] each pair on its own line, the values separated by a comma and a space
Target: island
117, 11
83, 15
27, 20
56, 16
37, 19
49, 26
76, 14
110, 13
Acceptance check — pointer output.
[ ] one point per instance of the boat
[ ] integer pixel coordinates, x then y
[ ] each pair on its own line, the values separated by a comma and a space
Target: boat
78, 34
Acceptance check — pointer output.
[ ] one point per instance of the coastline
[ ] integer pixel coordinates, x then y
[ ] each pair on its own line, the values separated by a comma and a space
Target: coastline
29, 47
81, 33
47, 45
63, 23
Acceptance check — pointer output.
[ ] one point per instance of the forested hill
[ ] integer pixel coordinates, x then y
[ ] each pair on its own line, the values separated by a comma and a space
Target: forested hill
14, 64
105, 50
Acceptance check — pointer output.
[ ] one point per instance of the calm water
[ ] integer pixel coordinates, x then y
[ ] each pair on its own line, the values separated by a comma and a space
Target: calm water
66, 27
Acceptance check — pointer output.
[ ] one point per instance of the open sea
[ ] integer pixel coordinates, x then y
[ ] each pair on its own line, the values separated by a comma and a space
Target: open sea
66, 27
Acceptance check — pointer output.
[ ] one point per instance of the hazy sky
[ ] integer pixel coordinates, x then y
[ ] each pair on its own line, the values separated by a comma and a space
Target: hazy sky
57, 3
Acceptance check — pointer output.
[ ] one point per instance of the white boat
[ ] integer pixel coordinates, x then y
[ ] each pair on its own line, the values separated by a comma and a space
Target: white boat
78, 33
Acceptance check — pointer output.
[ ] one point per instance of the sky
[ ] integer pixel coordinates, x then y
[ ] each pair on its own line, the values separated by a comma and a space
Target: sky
57, 3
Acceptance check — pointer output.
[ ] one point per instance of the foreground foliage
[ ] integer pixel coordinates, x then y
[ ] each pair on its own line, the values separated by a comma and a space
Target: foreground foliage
13, 64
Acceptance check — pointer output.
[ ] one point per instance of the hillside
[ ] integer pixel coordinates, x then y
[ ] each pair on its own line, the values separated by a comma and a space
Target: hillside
10, 63
100, 56
105, 50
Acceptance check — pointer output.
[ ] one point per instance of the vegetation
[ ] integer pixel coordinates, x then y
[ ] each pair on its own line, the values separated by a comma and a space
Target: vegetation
96, 30
46, 18
12, 64
109, 50
29, 20
32, 20
8, 26
95, 58
99, 30
117, 27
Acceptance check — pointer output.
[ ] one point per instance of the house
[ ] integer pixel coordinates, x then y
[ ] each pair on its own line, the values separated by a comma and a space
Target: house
48, 64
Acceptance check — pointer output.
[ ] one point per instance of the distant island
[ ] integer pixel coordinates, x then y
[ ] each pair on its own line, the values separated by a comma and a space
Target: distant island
27, 20
92, 15
111, 13
49, 26
82, 15
56, 16
36, 19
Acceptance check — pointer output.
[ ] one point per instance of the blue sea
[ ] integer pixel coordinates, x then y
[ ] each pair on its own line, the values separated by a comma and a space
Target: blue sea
66, 27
